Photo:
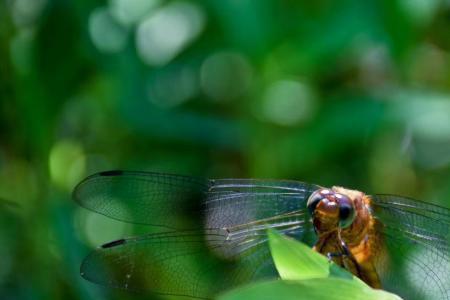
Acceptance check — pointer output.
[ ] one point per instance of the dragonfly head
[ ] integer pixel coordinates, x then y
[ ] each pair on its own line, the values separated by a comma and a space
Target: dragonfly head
330, 210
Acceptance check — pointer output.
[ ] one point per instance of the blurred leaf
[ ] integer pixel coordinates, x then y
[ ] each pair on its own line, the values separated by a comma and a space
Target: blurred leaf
324, 288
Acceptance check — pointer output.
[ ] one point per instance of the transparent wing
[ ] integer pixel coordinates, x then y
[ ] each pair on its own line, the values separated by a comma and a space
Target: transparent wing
415, 237
241, 203
188, 263
140, 197
164, 199
230, 248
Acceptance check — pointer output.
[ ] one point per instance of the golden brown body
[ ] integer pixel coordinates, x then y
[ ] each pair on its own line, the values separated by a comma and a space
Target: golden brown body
351, 247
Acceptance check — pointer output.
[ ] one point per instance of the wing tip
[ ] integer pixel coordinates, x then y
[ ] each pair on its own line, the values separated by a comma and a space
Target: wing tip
77, 188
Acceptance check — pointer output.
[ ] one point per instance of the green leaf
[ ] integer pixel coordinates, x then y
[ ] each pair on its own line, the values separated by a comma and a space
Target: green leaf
321, 288
297, 261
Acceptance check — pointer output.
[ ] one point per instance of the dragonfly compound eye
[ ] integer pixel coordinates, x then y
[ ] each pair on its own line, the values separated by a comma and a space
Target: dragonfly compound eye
315, 198
346, 211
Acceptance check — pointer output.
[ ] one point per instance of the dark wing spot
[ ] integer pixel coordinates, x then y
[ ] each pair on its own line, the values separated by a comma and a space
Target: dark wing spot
114, 243
111, 173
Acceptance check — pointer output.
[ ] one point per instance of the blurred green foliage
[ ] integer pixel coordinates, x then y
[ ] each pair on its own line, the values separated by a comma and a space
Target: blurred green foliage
352, 93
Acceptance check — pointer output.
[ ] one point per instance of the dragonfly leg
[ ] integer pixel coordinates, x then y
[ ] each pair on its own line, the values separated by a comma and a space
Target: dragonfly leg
345, 253
350, 262
331, 255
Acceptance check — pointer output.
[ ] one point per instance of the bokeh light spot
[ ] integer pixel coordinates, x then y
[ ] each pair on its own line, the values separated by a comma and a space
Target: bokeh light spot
420, 11
106, 33
425, 117
66, 163
427, 114
97, 229
225, 75
26, 12
165, 33
161, 89
288, 102
128, 12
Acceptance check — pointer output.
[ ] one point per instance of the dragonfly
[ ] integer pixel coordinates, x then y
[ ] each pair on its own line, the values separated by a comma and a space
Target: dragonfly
212, 233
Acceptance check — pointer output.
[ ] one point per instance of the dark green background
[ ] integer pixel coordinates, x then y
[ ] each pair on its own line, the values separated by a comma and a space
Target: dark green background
352, 93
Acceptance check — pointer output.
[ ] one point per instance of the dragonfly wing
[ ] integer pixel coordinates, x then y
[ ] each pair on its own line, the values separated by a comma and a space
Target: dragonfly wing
197, 264
229, 248
141, 197
416, 239
163, 199
231, 203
